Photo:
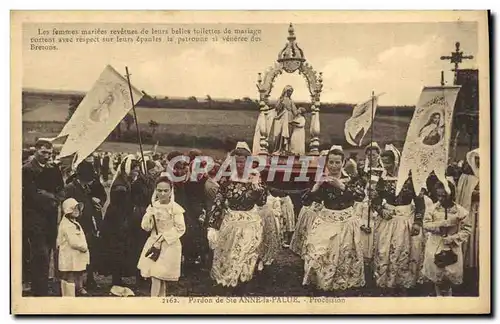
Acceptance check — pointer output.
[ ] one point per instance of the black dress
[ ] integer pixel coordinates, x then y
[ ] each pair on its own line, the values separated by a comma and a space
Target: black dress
117, 241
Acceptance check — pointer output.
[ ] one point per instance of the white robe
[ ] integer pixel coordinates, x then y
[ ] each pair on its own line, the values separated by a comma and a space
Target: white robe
298, 138
264, 124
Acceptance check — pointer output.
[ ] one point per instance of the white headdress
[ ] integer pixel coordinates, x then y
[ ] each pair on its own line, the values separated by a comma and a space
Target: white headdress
367, 160
128, 166
373, 145
243, 145
154, 198
336, 147
471, 160
339, 148
395, 151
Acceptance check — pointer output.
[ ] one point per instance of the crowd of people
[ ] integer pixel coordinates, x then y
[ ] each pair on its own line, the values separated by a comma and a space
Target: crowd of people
121, 215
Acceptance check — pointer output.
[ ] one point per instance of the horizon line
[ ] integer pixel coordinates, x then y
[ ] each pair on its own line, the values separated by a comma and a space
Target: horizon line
200, 99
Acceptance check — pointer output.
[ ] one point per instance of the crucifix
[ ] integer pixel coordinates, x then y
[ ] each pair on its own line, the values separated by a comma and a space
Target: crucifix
456, 58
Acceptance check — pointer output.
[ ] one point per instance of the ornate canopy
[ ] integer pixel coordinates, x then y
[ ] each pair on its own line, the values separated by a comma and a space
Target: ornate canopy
291, 59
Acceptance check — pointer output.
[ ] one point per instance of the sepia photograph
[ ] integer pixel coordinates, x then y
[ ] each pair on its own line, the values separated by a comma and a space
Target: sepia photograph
250, 162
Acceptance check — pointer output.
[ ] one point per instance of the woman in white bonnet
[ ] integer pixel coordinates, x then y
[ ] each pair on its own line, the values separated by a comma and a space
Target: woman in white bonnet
333, 259
305, 219
234, 226
468, 197
398, 240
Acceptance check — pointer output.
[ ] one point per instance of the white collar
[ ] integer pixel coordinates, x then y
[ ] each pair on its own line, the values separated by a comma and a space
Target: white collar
234, 177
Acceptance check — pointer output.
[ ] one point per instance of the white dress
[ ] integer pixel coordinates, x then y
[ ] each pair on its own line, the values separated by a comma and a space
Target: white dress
465, 190
71, 242
333, 255
288, 214
458, 233
367, 238
270, 214
303, 225
170, 224
298, 137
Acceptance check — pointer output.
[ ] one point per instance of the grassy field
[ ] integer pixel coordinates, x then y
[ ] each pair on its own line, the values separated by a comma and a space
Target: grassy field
46, 117
44, 114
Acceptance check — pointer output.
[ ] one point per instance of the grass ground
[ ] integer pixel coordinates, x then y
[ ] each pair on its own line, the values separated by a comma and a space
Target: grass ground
282, 278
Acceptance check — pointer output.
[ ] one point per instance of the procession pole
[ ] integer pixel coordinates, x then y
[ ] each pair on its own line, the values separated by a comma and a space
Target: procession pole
135, 119
371, 150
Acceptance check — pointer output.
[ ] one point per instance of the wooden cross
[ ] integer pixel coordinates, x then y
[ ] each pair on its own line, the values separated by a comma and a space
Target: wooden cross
456, 58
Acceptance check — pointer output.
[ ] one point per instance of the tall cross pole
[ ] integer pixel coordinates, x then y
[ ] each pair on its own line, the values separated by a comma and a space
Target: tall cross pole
456, 58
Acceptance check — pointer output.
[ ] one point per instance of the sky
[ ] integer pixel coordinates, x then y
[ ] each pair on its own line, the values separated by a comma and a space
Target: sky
398, 59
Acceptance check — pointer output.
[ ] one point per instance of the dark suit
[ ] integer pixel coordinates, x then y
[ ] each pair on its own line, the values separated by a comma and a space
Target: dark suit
42, 193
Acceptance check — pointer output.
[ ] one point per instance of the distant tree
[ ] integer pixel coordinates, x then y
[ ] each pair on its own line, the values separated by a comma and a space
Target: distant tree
129, 120
73, 104
237, 101
247, 99
153, 125
209, 100
193, 98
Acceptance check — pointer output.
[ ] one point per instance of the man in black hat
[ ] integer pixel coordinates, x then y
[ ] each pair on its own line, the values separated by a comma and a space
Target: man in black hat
87, 189
42, 192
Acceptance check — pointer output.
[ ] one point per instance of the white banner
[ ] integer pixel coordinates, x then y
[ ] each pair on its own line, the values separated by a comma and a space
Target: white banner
428, 138
361, 120
100, 111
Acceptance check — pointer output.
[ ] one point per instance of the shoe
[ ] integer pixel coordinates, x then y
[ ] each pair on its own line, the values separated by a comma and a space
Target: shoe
82, 292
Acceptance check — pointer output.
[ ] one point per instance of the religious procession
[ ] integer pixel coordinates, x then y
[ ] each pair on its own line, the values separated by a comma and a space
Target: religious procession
391, 222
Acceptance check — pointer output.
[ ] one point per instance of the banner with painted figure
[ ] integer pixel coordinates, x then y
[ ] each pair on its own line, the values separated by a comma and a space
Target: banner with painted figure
427, 142
104, 106
361, 120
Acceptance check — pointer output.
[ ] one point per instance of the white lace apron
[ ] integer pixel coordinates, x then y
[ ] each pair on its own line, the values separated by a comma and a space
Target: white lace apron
398, 256
237, 249
305, 220
334, 253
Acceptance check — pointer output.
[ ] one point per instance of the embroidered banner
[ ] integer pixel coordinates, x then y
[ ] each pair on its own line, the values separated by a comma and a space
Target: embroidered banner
100, 111
427, 141
361, 120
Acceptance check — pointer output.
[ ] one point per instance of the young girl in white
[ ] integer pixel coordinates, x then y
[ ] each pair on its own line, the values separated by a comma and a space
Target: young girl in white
165, 220
73, 250
448, 225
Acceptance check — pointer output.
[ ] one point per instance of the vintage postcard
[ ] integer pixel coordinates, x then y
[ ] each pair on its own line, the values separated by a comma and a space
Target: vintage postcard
250, 162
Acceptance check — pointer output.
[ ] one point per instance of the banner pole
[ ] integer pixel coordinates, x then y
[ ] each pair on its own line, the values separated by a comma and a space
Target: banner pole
135, 119
369, 180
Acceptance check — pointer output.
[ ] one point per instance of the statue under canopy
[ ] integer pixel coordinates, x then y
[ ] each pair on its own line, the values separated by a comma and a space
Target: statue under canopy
281, 131
285, 112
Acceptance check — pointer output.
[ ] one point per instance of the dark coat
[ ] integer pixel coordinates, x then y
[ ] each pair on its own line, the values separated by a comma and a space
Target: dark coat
84, 195
42, 191
97, 164
105, 164
142, 190
193, 239
117, 240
